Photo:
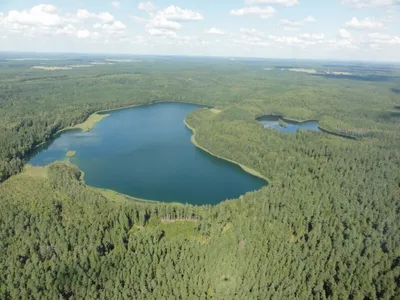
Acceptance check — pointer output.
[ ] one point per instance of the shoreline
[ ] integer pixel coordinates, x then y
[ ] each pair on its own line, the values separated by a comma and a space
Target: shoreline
99, 115
117, 196
349, 137
244, 168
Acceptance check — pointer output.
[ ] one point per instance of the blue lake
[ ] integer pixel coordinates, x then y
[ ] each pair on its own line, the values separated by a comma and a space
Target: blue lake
146, 152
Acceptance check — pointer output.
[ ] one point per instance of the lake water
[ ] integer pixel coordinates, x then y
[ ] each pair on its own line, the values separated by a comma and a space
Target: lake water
291, 126
146, 152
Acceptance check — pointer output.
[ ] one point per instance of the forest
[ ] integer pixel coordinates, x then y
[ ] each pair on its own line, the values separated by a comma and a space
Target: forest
326, 227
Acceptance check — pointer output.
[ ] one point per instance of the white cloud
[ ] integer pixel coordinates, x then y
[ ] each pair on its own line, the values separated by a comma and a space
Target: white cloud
161, 32
161, 22
287, 3
116, 4
367, 23
370, 3
371, 41
68, 30
175, 13
257, 42
262, 12
166, 21
115, 26
252, 32
83, 14
215, 31
342, 44
309, 19
48, 21
301, 40
312, 37
294, 25
39, 15
383, 39
147, 6
83, 34
256, 38
343, 33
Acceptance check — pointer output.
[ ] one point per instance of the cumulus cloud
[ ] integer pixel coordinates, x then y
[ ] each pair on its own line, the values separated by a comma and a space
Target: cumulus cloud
68, 30
39, 15
47, 20
146, 6
83, 34
215, 31
383, 39
301, 40
370, 3
166, 21
161, 32
257, 38
342, 44
295, 25
343, 33
287, 3
262, 12
83, 14
161, 22
367, 23
115, 26
312, 37
252, 41
175, 13
251, 37
116, 4
251, 32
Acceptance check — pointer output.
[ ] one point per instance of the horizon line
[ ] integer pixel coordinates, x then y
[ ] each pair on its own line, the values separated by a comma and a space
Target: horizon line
197, 56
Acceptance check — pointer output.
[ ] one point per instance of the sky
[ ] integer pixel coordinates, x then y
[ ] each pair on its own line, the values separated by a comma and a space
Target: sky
317, 29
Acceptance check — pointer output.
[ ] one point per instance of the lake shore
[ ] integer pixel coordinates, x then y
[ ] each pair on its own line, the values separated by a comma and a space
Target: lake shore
99, 115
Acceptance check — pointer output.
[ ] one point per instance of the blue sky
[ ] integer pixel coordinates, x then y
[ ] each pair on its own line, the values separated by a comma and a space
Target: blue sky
324, 29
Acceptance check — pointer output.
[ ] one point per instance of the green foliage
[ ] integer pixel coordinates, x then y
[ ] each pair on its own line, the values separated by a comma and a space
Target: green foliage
327, 226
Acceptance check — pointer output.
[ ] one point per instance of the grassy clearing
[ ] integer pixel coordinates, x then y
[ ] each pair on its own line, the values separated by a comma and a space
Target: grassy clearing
70, 153
215, 111
90, 122
178, 229
227, 228
118, 197
35, 171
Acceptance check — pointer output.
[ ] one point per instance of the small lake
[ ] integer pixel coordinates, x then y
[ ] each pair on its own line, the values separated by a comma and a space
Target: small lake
288, 126
146, 152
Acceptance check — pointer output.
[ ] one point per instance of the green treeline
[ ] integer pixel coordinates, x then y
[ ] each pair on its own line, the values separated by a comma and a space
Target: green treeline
327, 226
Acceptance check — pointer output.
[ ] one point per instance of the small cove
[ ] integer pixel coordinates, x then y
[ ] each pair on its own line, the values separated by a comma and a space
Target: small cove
146, 152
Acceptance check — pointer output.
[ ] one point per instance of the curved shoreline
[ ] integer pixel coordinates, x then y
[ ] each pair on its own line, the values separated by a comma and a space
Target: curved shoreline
350, 137
99, 115
118, 196
244, 168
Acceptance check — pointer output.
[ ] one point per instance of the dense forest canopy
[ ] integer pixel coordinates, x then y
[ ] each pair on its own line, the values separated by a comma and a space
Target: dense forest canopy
326, 227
